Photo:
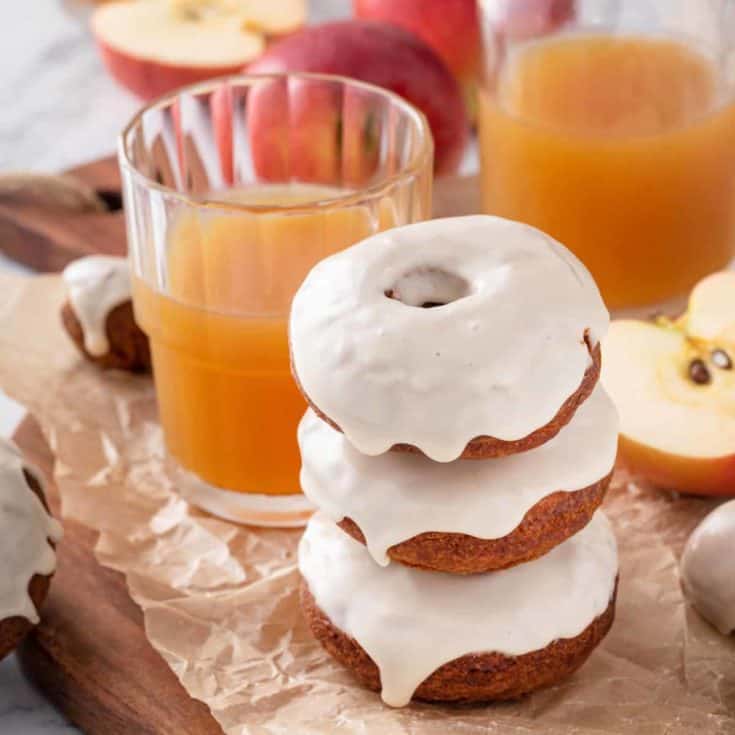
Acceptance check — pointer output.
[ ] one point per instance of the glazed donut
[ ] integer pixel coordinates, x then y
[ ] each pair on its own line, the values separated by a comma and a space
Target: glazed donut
442, 637
463, 517
708, 568
99, 317
27, 537
498, 360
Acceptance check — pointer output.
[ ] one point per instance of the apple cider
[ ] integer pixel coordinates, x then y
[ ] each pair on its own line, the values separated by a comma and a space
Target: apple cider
234, 189
622, 148
228, 404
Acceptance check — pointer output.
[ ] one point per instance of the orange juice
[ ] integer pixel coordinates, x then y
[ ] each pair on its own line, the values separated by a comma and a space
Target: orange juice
227, 401
623, 148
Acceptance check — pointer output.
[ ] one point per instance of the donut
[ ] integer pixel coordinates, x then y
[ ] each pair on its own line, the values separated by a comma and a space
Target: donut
504, 352
98, 314
28, 534
463, 517
708, 568
439, 637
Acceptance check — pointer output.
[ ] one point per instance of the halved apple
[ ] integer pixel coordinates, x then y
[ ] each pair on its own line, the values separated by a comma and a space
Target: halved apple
674, 386
154, 46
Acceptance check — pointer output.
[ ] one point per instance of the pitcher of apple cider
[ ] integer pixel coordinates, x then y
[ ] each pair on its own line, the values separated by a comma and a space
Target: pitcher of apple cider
233, 190
611, 126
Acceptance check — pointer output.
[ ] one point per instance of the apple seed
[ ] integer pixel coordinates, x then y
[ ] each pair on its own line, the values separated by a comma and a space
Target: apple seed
699, 372
721, 359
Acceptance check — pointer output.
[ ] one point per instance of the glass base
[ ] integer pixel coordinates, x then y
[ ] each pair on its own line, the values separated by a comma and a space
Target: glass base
270, 511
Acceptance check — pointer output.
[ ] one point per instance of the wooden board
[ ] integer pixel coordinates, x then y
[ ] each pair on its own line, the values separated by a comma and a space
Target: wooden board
90, 655
47, 239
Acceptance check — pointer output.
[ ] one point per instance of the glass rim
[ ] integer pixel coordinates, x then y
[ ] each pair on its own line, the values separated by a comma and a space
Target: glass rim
412, 169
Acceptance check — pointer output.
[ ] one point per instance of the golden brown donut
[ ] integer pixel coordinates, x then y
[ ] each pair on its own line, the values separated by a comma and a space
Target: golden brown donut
129, 346
14, 630
552, 520
477, 677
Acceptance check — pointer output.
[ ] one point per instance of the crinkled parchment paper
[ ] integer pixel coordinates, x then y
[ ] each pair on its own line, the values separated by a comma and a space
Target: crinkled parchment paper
220, 601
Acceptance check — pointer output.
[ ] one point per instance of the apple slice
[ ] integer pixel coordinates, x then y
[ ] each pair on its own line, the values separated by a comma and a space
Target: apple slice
675, 392
154, 46
272, 17
711, 313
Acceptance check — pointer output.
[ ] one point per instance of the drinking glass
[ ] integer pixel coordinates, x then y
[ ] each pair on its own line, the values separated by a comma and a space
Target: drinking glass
233, 190
610, 124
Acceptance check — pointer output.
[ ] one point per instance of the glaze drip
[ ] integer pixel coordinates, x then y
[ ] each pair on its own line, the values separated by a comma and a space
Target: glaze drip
96, 285
396, 496
25, 531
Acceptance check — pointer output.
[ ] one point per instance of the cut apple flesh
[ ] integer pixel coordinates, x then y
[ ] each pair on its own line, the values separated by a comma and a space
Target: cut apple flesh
178, 35
711, 313
646, 371
272, 17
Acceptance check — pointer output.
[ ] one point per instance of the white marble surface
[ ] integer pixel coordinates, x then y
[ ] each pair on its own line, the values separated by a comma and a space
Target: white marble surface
59, 109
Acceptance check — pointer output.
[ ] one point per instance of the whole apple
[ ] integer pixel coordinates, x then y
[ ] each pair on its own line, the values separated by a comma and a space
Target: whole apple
378, 53
450, 27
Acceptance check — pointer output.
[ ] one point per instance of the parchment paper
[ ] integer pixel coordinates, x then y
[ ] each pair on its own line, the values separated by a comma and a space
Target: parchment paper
220, 601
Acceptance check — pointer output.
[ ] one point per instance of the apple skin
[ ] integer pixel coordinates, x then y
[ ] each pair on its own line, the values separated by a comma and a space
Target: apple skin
306, 149
148, 79
450, 27
528, 18
378, 53
711, 476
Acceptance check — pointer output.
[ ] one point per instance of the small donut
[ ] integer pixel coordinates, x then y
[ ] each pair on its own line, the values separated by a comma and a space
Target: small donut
503, 352
438, 637
463, 517
99, 317
708, 568
28, 535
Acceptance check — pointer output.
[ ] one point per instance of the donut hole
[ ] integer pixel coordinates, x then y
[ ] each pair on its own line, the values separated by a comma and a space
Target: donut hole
428, 288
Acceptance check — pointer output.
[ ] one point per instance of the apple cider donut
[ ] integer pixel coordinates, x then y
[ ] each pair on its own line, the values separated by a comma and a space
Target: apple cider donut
27, 535
98, 314
503, 352
440, 637
463, 517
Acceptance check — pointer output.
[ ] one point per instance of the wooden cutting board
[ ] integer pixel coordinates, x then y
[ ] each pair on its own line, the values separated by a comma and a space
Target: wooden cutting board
46, 238
90, 654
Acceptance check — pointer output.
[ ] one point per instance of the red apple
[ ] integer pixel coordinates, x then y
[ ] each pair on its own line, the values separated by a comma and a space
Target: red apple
450, 27
378, 53
304, 129
154, 46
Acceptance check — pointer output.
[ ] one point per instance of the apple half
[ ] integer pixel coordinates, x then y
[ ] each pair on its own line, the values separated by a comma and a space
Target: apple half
154, 46
673, 383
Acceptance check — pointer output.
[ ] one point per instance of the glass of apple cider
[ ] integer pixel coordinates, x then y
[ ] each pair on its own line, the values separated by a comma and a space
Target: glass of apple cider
610, 124
233, 190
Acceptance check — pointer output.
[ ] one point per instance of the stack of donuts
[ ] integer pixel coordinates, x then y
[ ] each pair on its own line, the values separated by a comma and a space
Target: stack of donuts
458, 448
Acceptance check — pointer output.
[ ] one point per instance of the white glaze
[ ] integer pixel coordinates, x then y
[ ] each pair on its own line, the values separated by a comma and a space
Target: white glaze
397, 496
96, 285
708, 568
499, 362
411, 622
25, 531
